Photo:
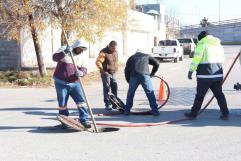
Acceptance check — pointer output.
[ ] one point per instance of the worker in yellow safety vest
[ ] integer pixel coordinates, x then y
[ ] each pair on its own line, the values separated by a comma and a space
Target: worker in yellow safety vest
207, 62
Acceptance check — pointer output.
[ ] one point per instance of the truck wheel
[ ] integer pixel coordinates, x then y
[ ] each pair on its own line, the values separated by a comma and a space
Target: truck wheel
181, 58
176, 60
191, 54
159, 59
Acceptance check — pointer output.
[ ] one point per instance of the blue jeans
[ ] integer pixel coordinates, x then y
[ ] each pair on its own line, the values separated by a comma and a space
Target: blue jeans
146, 84
109, 84
64, 90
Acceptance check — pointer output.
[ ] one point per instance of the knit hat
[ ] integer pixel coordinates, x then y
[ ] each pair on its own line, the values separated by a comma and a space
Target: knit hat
202, 35
80, 44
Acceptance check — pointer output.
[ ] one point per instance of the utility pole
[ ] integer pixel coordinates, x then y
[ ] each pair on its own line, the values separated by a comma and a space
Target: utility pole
219, 10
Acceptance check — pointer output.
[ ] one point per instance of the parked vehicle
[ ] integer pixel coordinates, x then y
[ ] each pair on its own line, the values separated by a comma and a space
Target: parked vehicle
188, 46
168, 49
195, 40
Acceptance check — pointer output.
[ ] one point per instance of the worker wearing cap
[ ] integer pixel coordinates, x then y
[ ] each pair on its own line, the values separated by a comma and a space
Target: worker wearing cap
67, 81
207, 62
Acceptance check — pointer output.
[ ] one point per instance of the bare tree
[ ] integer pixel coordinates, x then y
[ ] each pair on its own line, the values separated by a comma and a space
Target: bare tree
88, 19
172, 23
172, 27
204, 22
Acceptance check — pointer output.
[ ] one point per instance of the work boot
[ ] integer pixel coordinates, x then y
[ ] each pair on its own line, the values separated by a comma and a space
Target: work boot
189, 116
108, 108
127, 111
223, 117
86, 124
155, 113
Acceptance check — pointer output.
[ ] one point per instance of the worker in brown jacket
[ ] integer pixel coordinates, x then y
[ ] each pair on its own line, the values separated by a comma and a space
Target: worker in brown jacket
107, 62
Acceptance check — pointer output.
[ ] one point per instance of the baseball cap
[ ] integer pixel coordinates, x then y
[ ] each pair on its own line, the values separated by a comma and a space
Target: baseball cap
80, 44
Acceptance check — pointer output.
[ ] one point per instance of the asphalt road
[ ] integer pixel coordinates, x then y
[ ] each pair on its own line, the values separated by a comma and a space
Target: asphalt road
26, 114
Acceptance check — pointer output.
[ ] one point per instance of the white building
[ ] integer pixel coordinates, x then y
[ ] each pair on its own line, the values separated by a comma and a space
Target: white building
143, 31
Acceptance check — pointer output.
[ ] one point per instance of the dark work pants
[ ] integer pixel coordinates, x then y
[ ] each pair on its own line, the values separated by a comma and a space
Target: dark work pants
216, 88
109, 86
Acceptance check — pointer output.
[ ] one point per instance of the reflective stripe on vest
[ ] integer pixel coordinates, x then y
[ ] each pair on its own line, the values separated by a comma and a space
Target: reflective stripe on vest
210, 76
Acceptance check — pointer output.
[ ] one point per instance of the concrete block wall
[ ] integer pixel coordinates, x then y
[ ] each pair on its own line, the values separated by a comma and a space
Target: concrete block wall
9, 55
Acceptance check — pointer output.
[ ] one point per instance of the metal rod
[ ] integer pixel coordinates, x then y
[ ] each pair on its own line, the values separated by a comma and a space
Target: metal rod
225, 77
81, 84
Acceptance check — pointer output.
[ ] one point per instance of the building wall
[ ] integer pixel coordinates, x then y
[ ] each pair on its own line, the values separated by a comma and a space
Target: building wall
230, 32
145, 6
140, 32
9, 54
49, 41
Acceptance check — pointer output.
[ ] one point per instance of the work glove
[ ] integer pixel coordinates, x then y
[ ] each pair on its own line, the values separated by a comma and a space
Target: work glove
189, 75
84, 70
127, 79
79, 73
67, 50
102, 71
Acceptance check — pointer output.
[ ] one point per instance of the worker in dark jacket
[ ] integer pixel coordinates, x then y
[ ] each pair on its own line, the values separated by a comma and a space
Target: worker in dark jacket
207, 62
137, 72
107, 63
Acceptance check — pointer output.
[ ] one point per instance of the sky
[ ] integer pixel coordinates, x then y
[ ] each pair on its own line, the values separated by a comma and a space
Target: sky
190, 12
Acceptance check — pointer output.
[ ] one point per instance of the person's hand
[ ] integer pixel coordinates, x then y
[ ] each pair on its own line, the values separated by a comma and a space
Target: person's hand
67, 50
102, 71
152, 74
84, 70
79, 73
189, 75
127, 80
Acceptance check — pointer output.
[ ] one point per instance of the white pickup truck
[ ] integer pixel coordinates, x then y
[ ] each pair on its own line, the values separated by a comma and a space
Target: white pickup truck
188, 45
168, 49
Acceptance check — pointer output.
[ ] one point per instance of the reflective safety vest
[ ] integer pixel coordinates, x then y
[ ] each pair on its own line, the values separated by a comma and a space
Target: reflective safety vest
208, 59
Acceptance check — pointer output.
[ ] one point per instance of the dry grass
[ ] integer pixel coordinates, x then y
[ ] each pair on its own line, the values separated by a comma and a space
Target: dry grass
15, 79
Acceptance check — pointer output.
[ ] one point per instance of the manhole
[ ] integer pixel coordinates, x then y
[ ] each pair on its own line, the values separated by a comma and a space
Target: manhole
108, 129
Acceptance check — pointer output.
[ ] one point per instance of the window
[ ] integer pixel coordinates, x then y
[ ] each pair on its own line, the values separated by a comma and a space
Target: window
167, 43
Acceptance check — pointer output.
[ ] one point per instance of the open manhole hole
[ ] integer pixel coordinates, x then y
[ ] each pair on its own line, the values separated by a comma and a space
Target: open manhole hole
107, 129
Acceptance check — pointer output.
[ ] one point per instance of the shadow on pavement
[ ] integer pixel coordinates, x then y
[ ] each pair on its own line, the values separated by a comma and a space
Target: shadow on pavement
51, 129
35, 129
50, 100
25, 108
210, 117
